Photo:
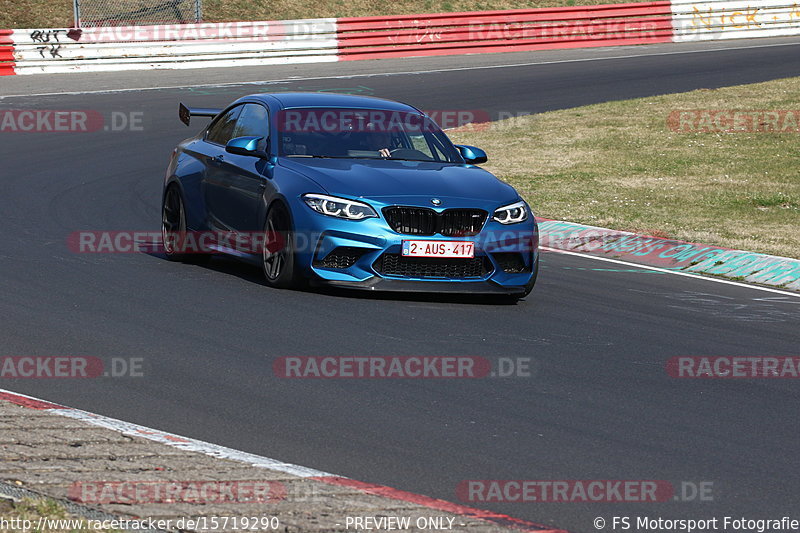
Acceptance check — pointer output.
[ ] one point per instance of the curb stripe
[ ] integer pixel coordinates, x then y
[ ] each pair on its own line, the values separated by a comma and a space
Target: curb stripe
27, 401
221, 452
670, 254
668, 271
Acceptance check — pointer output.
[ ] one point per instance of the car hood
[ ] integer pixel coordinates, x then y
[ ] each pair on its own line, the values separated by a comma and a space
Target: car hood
383, 179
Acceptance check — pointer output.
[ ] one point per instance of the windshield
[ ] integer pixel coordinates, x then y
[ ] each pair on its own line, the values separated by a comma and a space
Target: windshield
363, 134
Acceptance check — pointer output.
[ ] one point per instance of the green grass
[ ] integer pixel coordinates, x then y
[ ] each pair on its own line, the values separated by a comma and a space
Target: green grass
58, 13
33, 510
620, 165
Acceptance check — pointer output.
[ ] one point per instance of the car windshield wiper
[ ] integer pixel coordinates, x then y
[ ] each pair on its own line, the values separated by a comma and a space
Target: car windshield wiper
317, 156
418, 160
310, 156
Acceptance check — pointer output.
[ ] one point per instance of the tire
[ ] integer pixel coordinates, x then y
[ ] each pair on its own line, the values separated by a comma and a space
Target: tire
514, 298
173, 226
277, 257
532, 282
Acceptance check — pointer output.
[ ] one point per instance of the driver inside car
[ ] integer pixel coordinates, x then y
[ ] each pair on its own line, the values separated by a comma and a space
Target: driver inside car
379, 140
384, 142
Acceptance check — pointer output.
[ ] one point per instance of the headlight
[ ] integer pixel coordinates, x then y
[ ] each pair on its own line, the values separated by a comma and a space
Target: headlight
511, 214
339, 207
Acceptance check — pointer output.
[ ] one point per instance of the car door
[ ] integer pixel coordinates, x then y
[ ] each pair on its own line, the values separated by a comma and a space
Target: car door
215, 183
234, 184
249, 176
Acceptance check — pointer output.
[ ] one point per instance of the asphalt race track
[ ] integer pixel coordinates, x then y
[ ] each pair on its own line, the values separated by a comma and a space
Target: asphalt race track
598, 405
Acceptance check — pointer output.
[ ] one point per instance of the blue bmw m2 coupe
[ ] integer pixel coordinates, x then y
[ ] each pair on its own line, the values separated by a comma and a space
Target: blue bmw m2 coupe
346, 191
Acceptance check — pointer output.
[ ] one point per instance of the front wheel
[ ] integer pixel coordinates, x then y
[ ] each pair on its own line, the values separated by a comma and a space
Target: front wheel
514, 298
278, 259
532, 282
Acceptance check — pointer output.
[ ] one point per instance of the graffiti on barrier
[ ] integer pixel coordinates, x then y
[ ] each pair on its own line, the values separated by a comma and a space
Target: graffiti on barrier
747, 18
53, 49
45, 36
425, 32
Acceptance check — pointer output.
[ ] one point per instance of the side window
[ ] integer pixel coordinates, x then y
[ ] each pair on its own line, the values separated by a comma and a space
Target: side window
418, 142
222, 130
425, 143
253, 122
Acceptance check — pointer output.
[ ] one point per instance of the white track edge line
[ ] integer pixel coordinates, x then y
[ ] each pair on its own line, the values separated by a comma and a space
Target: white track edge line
403, 73
668, 271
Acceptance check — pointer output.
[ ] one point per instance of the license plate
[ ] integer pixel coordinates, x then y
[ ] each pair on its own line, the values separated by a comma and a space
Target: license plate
461, 249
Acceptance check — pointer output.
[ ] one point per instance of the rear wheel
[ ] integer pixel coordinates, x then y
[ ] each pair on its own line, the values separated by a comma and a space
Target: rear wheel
278, 259
173, 228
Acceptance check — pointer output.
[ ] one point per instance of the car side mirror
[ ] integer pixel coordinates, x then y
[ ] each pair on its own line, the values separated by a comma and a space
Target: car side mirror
246, 146
472, 155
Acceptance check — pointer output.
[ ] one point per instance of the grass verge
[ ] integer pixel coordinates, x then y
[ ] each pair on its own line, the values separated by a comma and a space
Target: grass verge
17, 515
620, 165
58, 13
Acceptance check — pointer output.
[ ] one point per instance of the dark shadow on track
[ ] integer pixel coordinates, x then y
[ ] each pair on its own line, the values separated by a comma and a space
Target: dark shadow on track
251, 273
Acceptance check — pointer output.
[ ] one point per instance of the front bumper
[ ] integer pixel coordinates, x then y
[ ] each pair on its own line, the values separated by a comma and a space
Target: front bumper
377, 283
367, 255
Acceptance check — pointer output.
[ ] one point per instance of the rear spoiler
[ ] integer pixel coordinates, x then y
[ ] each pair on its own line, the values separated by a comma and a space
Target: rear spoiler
186, 113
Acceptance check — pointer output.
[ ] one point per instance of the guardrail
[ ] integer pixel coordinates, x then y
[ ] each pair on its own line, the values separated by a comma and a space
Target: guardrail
504, 31
315, 40
171, 46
